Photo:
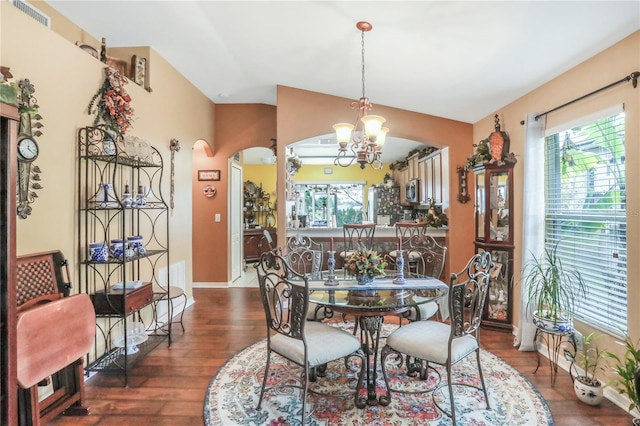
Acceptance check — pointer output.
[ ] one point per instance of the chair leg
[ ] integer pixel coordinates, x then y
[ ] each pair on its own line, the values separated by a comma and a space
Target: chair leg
484, 388
451, 402
182, 313
305, 384
264, 380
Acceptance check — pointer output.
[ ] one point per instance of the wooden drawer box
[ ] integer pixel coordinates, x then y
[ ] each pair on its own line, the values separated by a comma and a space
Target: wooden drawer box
113, 301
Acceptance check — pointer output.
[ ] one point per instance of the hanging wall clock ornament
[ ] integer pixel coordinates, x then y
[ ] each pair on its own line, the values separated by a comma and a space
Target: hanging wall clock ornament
28, 149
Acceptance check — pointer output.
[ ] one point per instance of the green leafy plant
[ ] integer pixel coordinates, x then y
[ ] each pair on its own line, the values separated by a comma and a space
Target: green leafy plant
553, 290
590, 359
627, 367
365, 262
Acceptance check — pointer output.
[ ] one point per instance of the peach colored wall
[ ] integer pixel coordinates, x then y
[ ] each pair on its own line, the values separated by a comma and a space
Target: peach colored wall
611, 65
238, 126
65, 79
303, 114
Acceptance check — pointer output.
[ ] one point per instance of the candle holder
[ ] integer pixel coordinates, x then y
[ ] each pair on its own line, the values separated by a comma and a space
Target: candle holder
399, 279
331, 264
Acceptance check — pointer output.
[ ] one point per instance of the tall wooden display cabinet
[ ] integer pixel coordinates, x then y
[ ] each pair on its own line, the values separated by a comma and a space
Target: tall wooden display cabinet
494, 233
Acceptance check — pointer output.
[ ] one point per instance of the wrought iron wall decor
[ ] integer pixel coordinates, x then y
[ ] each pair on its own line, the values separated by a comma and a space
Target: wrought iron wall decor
174, 146
28, 149
463, 189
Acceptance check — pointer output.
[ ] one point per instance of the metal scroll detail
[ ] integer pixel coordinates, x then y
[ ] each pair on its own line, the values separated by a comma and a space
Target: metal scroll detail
28, 173
174, 146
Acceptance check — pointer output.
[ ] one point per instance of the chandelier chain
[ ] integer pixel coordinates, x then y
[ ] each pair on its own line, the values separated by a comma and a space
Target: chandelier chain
362, 44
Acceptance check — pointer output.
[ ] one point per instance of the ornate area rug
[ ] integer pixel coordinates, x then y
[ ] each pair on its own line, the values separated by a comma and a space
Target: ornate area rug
232, 396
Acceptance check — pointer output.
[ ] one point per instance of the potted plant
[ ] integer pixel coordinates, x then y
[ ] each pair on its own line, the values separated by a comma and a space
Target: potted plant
627, 368
588, 388
553, 291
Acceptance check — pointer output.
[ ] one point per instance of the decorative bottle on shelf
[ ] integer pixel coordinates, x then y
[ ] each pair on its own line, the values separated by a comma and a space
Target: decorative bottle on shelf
103, 50
127, 201
140, 200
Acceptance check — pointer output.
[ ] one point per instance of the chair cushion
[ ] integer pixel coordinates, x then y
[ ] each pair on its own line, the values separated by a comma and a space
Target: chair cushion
324, 344
428, 340
427, 310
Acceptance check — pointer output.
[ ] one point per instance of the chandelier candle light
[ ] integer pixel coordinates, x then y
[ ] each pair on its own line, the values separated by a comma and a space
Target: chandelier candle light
367, 136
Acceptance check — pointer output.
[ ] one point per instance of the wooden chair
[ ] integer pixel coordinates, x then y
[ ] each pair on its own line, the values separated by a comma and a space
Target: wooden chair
308, 344
446, 344
356, 235
51, 329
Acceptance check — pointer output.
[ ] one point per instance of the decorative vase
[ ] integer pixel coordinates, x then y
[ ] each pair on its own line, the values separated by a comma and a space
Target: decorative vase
591, 395
560, 325
364, 279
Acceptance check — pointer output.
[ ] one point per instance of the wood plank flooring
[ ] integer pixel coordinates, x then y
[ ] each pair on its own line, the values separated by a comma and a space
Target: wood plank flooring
168, 386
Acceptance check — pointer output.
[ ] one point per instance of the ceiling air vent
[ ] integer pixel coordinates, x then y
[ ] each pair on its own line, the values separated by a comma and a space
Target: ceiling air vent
32, 11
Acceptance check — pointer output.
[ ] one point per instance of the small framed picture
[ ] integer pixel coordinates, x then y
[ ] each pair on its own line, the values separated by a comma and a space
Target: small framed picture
208, 174
138, 70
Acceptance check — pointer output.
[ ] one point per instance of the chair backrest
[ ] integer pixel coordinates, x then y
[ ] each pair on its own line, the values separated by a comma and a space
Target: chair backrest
304, 256
39, 278
285, 301
357, 235
407, 230
467, 294
425, 254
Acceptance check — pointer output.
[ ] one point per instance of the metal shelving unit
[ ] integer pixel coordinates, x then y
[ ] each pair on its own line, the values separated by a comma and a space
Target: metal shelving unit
120, 196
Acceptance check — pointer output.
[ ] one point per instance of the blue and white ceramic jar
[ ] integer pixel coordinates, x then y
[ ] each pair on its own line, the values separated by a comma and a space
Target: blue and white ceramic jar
99, 252
136, 243
117, 248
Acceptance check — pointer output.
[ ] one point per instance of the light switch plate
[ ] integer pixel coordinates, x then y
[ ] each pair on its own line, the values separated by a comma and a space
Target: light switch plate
217, 219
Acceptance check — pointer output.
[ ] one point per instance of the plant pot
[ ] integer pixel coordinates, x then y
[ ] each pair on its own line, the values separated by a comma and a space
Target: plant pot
589, 394
560, 325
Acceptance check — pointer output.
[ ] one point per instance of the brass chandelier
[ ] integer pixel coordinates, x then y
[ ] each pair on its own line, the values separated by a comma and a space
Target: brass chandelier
366, 137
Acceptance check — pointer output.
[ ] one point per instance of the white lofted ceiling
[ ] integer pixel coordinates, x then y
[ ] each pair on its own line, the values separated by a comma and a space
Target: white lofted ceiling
460, 60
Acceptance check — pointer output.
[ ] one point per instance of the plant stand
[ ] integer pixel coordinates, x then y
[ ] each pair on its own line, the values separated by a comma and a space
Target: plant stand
554, 341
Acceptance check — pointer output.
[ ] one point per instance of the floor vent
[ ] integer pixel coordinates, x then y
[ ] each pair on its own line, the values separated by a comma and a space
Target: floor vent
33, 12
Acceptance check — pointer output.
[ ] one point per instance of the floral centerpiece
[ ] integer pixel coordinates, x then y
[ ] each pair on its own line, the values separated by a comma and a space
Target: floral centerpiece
364, 264
111, 103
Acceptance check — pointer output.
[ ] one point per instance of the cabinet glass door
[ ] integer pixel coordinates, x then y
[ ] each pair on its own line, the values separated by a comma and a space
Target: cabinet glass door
499, 206
498, 304
480, 206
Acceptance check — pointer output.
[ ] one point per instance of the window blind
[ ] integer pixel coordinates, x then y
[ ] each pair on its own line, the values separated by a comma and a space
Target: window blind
585, 214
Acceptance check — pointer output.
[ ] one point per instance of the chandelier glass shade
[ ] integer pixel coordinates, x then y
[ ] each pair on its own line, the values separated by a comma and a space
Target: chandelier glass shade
362, 141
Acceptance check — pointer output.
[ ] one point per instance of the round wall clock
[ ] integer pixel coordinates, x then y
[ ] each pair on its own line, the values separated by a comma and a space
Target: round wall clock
27, 149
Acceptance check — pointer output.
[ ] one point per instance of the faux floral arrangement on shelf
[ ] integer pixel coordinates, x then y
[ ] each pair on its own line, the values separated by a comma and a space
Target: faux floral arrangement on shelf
365, 262
111, 103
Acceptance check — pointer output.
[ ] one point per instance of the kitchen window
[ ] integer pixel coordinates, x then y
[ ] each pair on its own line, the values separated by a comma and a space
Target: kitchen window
320, 201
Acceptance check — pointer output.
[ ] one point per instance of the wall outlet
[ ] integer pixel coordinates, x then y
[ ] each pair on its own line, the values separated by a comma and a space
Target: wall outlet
217, 217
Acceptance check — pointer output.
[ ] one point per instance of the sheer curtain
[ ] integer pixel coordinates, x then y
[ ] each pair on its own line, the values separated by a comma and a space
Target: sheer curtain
532, 218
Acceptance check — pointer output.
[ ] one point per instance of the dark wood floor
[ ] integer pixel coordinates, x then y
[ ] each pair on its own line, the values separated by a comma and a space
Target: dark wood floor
168, 386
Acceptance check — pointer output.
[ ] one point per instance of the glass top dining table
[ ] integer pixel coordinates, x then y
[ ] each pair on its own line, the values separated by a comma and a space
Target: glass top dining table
381, 297
369, 304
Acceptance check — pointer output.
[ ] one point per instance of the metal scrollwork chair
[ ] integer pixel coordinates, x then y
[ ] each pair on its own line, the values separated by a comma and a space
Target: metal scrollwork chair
357, 235
305, 257
406, 230
446, 344
308, 344
424, 257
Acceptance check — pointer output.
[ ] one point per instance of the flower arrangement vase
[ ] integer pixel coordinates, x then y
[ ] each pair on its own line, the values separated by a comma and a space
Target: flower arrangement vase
364, 279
